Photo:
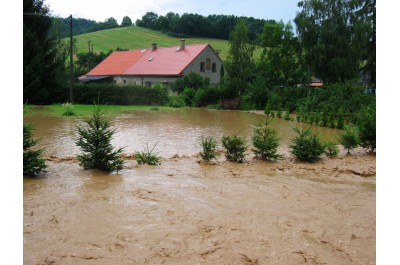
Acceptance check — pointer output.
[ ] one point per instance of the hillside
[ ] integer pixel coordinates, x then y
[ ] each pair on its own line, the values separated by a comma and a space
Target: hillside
138, 37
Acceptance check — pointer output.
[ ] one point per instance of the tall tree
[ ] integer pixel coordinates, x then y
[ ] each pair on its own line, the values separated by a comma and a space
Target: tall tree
282, 60
239, 63
334, 37
44, 55
126, 21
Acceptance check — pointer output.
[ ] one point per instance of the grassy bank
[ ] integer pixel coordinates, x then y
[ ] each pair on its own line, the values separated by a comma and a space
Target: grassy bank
85, 109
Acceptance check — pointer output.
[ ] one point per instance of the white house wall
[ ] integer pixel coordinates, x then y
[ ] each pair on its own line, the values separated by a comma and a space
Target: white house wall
215, 78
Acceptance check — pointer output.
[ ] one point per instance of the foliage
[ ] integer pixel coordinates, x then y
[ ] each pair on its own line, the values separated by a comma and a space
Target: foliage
279, 112
287, 116
306, 146
235, 148
282, 59
349, 139
340, 120
192, 80
68, 109
265, 141
366, 124
209, 145
267, 110
148, 156
33, 163
334, 37
331, 149
126, 21
239, 64
177, 101
117, 95
95, 142
246, 103
43, 57
87, 61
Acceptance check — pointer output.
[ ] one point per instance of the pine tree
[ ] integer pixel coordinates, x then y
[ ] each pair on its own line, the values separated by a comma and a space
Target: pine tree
33, 164
95, 142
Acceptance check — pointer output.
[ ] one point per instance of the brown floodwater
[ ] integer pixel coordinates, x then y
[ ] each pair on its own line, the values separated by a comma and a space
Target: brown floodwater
185, 211
173, 132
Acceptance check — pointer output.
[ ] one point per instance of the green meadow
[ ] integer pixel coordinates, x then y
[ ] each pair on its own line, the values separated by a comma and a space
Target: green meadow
137, 37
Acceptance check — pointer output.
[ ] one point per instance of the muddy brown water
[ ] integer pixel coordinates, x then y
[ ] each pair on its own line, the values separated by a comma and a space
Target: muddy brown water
173, 132
188, 212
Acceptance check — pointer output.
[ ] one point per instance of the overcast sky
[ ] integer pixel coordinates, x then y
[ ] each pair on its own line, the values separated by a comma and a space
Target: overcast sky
100, 10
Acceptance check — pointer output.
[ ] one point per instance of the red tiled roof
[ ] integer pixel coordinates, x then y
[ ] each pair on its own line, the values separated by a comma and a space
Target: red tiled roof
165, 61
117, 62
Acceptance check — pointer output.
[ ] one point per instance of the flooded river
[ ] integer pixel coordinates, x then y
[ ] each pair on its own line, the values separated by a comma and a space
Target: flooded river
188, 212
175, 131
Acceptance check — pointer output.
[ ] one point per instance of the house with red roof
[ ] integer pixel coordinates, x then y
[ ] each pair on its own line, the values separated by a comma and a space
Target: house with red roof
162, 65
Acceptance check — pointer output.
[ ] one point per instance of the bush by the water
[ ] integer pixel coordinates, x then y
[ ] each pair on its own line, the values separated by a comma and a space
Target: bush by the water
265, 141
68, 109
148, 156
331, 149
95, 142
366, 124
33, 163
235, 146
306, 145
209, 146
349, 139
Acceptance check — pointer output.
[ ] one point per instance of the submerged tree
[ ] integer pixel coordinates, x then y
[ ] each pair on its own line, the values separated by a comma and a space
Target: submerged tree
95, 142
33, 163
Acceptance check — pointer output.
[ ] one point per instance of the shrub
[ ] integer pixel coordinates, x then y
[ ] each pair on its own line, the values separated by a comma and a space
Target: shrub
340, 120
306, 146
235, 147
95, 142
331, 149
349, 139
298, 117
177, 101
68, 109
366, 124
324, 119
265, 142
33, 164
332, 123
148, 156
287, 116
267, 110
209, 145
279, 113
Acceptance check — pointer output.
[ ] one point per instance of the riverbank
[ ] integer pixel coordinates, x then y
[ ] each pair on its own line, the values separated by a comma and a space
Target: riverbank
185, 211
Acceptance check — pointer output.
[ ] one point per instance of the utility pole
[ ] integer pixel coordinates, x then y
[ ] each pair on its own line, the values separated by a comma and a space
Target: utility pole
89, 41
71, 62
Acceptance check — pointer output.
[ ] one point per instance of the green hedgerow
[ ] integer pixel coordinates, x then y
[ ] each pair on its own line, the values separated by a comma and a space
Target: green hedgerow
33, 163
265, 142
148, 156
209, 145
235, 148
366, 124
306, 145
95, 142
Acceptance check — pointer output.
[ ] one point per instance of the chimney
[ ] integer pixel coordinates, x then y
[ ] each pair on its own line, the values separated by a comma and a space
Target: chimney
153, 46
182, 44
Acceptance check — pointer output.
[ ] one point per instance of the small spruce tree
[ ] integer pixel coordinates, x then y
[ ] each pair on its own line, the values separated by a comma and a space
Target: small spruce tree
33, 163
349, 139
265, 142
306, 146
95, 142
235, 148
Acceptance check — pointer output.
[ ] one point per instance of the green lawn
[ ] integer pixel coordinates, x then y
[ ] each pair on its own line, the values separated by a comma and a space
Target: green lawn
85, 110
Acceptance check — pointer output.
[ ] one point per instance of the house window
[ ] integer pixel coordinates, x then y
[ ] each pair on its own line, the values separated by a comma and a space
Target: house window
115, 81
148, 84
202, 67
208, 64
214, 67
124, 81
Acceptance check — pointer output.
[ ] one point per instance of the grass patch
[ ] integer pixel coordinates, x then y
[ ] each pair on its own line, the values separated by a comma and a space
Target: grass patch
84, 110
